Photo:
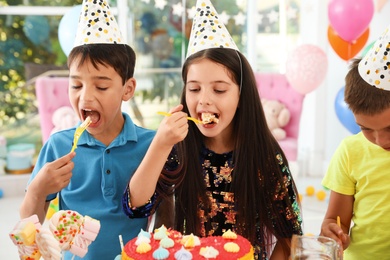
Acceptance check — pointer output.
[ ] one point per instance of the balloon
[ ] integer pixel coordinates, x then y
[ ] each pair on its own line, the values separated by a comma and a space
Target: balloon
344, 114
350, 18
162, 44
380, 4
306, 68
367, 48
344, 49
148, 22
36, 28
67, 28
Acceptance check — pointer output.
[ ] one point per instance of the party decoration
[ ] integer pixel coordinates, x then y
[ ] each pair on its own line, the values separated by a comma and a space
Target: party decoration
239, 19
380, 4
350, 18
367, 48
67, 28
160, 4
346, 50
162, 44
344, 114
36, 28
306, 68
207, 30
374, 67
97, 24
178, 9
148, 22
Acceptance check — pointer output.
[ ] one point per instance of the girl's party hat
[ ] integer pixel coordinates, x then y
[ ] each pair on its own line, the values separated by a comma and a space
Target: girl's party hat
207, 30
97, 24
374, 67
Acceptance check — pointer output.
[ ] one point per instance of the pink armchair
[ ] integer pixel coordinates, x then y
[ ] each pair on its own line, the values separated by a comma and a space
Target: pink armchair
276, 87
52, 94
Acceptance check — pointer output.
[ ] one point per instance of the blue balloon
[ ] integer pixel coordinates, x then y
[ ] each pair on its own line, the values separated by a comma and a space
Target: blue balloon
344, 114
36, 28
67, 29
148, 22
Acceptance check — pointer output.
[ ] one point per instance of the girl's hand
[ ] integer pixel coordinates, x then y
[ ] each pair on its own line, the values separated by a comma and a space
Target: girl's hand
53, 176
174, 128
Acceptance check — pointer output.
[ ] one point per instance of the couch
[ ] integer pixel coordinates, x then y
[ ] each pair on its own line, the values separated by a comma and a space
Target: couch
274, 86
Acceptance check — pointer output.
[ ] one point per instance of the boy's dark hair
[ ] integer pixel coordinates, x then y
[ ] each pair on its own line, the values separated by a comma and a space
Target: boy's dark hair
361, 97
119, 56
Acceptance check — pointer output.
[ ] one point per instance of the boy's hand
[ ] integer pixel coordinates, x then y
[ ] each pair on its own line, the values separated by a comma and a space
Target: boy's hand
53, 176
332, 230
174, 128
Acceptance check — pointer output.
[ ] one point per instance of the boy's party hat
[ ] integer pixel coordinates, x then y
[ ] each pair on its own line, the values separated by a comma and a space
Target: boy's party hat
374, 67
207, 30
97, 24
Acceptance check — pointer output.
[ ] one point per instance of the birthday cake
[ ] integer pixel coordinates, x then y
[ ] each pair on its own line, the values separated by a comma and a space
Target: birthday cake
168, 244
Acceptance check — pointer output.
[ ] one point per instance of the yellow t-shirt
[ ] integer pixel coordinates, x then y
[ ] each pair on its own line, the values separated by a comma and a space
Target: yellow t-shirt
362, 169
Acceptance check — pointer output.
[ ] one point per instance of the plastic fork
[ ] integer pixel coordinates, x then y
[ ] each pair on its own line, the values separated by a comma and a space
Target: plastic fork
196, 121
79, 131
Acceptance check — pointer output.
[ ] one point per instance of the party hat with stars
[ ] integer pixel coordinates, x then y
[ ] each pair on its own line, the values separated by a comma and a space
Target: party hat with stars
374, 68
97, 24
207, 30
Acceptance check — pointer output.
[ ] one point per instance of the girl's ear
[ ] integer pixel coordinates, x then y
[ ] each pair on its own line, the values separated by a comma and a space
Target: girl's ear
129, 89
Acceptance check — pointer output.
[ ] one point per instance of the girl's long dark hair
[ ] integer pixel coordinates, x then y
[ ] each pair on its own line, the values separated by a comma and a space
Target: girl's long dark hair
255, 166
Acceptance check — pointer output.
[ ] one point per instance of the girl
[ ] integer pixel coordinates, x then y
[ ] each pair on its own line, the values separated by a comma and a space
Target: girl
227, 174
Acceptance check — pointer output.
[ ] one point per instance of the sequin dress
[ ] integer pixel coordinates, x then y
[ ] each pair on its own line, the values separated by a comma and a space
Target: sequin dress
217, 171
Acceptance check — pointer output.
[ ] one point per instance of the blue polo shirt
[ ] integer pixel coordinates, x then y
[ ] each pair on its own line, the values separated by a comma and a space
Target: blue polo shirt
100, 176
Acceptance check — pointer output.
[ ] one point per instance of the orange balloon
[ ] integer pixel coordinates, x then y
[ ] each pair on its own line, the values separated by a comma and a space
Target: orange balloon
347, 50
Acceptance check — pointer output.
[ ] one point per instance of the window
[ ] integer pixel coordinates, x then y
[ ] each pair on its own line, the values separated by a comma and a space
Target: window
158, 30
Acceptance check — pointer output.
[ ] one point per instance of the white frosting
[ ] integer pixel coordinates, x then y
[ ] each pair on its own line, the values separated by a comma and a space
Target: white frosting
48, 245
142, 239
209, 252
188, 239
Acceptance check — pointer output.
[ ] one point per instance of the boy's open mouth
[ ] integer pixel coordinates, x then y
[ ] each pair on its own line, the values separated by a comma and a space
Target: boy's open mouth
94, 115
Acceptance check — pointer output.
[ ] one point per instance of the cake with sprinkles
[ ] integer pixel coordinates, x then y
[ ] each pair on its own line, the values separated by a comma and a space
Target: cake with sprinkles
168, 244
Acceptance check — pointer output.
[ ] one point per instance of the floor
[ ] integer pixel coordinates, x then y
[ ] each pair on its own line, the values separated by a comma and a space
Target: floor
12, 187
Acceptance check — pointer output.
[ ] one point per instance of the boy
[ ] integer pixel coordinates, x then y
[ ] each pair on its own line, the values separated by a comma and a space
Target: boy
92, 179
358, 172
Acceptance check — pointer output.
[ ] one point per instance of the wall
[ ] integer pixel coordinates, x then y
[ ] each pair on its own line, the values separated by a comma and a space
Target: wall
321, 131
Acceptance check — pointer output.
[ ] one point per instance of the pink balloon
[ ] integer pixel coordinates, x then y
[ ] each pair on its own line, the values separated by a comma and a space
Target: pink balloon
306, 68
350, 18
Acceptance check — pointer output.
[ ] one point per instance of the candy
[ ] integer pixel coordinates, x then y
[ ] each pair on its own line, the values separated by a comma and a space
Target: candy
67, 230
48, 245
65, 225
86, 235
23, 236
